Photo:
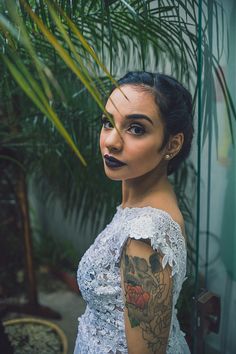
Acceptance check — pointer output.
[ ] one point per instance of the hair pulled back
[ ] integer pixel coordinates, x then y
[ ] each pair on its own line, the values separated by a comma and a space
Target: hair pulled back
175, 105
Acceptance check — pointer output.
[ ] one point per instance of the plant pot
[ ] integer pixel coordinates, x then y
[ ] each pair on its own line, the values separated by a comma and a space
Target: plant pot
28, 335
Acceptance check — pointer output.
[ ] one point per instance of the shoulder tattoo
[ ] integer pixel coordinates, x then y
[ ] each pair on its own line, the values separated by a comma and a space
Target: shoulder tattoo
148, 298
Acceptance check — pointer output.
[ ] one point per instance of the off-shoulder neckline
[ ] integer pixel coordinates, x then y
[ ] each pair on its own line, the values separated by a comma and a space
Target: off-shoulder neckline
119, 207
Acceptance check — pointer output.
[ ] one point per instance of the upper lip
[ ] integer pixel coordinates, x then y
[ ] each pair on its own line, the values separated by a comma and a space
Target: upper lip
113, 159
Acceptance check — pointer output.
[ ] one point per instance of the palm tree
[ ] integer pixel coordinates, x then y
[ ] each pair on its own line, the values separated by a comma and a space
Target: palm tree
137, 34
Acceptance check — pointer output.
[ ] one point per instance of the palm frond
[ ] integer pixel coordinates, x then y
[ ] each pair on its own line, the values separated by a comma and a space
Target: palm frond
62, 41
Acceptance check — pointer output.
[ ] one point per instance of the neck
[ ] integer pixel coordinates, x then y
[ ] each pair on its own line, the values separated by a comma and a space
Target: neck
139, 191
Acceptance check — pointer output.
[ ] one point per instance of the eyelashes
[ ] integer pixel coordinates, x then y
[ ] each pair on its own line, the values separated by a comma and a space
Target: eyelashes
137, 129
134, 128
105, 122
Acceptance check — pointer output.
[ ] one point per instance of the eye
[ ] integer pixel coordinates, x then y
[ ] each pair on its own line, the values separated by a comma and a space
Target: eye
106, 123
136, 129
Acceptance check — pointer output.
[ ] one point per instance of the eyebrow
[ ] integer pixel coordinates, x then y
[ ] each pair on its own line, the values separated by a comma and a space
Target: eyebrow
139, 116
135, 116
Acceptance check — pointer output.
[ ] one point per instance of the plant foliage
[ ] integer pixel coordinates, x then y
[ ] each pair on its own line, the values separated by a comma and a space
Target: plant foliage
63, 54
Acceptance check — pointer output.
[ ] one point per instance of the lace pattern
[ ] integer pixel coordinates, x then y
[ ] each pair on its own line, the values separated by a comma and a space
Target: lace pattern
101, 329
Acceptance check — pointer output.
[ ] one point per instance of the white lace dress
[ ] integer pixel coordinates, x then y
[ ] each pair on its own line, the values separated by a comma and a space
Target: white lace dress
101, 328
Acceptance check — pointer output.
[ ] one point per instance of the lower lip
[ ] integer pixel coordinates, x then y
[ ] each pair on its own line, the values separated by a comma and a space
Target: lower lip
113, 164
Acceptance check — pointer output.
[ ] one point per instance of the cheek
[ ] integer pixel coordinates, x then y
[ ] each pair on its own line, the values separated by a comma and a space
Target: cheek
145, 151
101, 140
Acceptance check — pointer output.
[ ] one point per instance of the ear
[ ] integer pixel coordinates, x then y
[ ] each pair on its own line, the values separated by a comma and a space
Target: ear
174, 146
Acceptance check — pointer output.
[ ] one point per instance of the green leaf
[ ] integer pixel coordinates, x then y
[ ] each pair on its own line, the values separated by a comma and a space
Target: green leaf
134, 322
40, 100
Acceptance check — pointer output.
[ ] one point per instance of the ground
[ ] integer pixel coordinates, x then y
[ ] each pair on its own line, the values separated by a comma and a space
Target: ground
53, 293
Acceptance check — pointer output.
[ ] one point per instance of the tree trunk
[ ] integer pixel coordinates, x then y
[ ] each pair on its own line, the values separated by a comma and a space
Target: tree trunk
29, 267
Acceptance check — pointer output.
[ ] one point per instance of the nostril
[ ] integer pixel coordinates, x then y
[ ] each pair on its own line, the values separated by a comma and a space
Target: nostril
114, 143
113, 148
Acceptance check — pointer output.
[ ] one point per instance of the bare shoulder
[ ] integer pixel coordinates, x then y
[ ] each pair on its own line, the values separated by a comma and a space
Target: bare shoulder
168, 203
176, 215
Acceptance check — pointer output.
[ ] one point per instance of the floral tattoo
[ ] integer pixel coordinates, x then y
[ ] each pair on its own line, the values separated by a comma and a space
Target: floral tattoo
148, 295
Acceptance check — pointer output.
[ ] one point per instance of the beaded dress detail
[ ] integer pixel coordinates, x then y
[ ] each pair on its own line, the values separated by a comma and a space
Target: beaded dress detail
101, 328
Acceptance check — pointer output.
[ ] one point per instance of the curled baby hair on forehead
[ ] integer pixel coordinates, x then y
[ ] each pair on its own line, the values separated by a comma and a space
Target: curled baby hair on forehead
174, 103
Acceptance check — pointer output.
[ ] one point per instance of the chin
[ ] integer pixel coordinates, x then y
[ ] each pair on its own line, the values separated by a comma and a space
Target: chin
113, 176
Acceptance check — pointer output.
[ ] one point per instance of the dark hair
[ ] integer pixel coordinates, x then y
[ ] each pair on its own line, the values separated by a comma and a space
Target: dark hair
175, 105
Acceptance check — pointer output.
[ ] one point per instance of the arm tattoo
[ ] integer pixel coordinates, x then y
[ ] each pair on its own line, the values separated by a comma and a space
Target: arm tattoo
148, 294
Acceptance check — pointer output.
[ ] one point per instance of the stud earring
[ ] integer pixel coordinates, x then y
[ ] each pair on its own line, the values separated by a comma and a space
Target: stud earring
168, 156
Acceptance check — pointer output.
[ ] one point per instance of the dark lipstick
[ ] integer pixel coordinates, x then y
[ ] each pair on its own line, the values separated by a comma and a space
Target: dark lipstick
111, 161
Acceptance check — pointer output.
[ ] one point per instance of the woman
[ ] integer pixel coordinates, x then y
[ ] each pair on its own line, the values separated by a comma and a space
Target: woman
132, 275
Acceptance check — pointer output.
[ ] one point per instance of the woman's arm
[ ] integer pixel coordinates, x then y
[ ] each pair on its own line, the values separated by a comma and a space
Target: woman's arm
147, 289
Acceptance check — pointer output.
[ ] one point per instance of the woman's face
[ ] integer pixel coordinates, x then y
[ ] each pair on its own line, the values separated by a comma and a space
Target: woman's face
138, 141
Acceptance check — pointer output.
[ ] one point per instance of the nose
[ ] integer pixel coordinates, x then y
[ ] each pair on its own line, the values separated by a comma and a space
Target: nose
114, 140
